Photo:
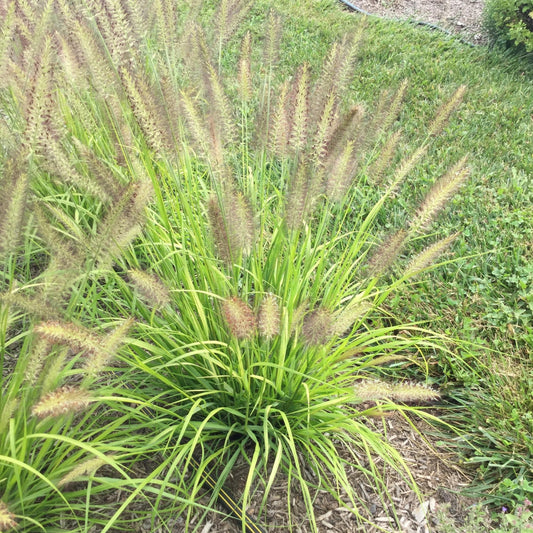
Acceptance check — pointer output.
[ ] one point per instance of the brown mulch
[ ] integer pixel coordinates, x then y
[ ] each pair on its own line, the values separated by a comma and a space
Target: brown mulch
434, 471
461, 17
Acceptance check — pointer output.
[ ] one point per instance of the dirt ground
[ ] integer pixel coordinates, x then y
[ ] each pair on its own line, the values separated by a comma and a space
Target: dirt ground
434, 470
462, 17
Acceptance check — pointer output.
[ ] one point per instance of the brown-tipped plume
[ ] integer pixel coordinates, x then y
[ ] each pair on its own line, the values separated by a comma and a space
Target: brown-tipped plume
384, 257
227, 19
149, 287
299, 122
196, 126
94, 57
239, 318
35, 304
14, 188
316, 328
384, 158
107, 349
272, 40
337, 70
7, 35
56, 162
137, 13
7, 412
405, 166
166, 20
245, 68
279, 128
298, 317
340, 173
232, 225
113, 340
7, 518
66, 262
345, 318
122, 223
62, 401
371, 390
40, 351
115, 29
298, 201
88, 467
76, 337
428, 256
445, 111
413, 392
220, 119
240, 222
106, 185
438, 195
218, 229
325, 88
268, 318
139, 95
324, 133
39, 108
347, 130
387, 111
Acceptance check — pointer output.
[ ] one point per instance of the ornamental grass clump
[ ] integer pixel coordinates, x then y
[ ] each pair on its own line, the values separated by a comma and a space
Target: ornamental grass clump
64, 211
264, 229
236, 257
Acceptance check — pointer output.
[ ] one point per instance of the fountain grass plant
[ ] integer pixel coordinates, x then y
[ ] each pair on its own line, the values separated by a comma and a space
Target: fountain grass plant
58, 421
228, 222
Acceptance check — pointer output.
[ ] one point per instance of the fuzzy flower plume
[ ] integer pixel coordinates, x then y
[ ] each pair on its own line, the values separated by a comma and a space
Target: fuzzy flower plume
245, 72
268, 317
108, 348
439, 194
72, 335
232, 225
427, 257
413, 392
239, 317
372, 390
62, 401
443, 114
345, 318
7, 518
39, 353
85, 468
388, 251
13, 196
316, 328
149, 287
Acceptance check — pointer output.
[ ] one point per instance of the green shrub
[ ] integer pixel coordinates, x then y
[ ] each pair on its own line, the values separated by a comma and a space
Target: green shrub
511, 21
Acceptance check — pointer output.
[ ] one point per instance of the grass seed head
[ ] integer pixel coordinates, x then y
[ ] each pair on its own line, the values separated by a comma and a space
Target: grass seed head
239, 317
384, 257
85, 468
64, 400
149, 287
413, 392
268, 317
7, 518
316, 328
369, 390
